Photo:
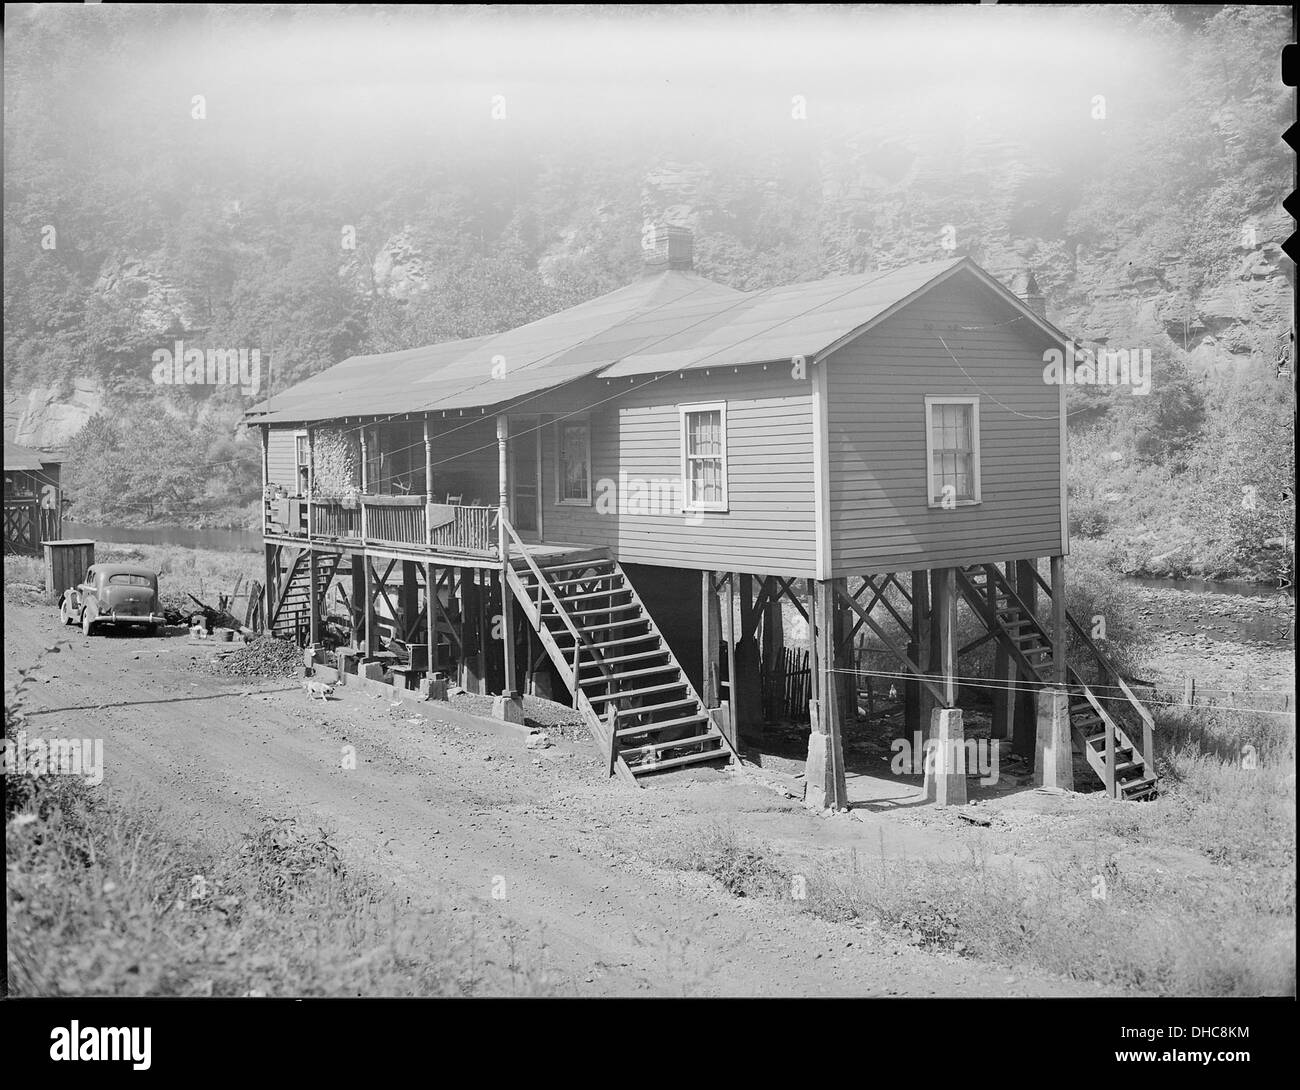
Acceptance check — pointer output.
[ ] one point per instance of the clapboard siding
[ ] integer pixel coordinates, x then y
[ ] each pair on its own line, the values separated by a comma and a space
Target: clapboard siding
880, 519
282, 468
770, 524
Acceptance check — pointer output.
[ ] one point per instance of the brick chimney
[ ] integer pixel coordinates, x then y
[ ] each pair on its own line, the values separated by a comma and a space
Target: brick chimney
668, 247
1025, 286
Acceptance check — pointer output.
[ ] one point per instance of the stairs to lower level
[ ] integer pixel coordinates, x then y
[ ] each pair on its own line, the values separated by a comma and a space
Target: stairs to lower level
1104, 724
292, 614
629, 686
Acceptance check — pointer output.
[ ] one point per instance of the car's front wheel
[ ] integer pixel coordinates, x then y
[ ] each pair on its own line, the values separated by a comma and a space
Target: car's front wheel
87, 622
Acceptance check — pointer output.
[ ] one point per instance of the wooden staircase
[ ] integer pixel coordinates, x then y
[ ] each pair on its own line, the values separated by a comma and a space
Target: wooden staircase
1103, 726
631, 690
292, 613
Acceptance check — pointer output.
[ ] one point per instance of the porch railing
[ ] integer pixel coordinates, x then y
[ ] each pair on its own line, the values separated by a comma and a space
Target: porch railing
395, 520
472, 530
329, 518
389, 520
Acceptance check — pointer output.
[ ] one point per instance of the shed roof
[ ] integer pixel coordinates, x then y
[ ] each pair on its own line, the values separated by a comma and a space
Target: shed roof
23, 458
672, 321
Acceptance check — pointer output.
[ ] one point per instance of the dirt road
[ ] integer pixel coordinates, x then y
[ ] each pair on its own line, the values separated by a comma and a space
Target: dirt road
453, 808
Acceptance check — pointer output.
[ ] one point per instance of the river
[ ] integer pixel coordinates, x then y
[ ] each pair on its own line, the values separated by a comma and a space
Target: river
222, 541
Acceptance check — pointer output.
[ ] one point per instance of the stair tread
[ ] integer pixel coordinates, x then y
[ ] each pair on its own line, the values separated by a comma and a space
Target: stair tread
650, 728
624, 658
656, 747
607, 624
619, 676
629, 712
592, 594
674, 762
630, 693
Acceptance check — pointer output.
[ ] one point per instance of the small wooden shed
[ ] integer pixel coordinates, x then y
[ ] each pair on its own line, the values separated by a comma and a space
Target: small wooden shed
66, 563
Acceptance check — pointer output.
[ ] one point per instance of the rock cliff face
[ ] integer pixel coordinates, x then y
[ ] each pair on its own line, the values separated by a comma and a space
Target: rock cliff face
45, 418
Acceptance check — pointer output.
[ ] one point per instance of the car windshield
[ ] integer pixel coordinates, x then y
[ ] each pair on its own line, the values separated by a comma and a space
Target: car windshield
131, 580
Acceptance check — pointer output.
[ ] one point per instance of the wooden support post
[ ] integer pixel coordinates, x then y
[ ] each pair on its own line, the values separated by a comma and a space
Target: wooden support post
431, 616
824, 770
1058, 621
272, 581
409, 602
313, 601
468, 615
918, 700
773, 639
814, 673
372, 631
748, 702
845, 667
358, 600
730, 620
1004, 679
509, 681
945, 632
1026, 703
711, 635
484, 627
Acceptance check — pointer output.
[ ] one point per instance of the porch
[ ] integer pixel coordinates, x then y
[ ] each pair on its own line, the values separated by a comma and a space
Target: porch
405, 485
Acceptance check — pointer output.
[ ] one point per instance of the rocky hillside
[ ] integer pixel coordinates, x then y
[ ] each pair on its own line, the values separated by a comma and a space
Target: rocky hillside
312, 213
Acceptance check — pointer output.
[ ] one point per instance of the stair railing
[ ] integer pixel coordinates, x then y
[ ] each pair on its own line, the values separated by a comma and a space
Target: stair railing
1110, 672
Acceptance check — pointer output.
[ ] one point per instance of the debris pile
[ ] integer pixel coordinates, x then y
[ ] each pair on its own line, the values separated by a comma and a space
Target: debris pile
262, 657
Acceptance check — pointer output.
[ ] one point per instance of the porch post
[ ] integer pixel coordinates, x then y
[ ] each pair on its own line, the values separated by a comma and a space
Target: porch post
428, 480
508, 707
365, 482
311, 479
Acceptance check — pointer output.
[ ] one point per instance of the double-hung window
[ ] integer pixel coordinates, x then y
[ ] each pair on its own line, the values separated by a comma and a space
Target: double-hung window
704, 456
953, 450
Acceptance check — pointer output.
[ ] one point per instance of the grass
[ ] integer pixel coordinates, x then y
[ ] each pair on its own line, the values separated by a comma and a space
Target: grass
102, 899
1191, 895
202, 572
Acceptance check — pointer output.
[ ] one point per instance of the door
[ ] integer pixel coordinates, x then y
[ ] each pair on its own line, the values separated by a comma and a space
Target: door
525, 439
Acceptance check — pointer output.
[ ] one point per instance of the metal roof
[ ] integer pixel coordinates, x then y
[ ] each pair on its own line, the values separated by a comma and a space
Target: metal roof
672, 321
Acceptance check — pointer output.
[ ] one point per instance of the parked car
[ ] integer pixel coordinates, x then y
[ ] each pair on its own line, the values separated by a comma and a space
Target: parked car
116, 594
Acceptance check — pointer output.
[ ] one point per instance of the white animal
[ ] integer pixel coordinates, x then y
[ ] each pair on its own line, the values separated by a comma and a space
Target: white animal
317, 688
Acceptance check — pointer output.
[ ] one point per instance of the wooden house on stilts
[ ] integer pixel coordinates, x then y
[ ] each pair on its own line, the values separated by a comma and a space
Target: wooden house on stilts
622, 498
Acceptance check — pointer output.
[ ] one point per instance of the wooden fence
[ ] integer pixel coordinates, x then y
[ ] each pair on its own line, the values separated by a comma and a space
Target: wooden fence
788, 687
